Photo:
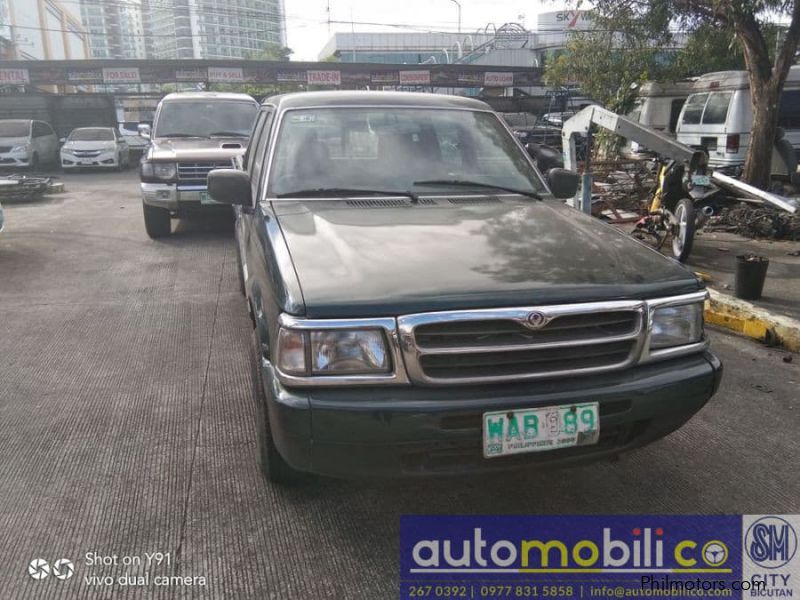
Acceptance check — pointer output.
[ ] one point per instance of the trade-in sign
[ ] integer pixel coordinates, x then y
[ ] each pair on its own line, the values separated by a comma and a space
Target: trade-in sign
415, 77
14, 76
121, 75
324, 77
223, 74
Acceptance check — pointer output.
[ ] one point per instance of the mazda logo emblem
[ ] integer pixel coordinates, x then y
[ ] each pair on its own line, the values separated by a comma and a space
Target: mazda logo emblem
537, 320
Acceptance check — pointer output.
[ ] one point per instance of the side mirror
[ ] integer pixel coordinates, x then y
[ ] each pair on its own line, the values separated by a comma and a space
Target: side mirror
564, 184
230, 186
144, 130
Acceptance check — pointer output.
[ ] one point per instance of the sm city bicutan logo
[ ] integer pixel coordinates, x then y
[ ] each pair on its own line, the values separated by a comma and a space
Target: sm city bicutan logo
771, 542
637, 550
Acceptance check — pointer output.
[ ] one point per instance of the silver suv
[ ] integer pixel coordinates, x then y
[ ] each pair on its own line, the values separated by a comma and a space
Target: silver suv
192, 134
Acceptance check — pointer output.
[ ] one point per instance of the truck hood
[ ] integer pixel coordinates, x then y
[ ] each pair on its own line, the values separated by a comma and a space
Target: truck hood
353, 260
172, 149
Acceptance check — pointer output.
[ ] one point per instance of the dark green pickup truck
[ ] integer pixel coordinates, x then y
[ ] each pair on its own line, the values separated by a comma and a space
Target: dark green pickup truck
424, 304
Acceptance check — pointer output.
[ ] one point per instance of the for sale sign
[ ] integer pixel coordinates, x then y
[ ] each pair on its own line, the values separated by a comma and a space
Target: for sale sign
324, 77
121, 75
14, 76
415, 77
225, 74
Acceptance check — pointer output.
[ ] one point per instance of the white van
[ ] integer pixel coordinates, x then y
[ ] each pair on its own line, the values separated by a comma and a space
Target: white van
718, 116
658, 106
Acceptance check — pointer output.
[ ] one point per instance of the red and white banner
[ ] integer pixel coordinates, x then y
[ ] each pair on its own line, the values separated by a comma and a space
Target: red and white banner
223, 74
496, 79
121, 75
415, 77
14, 76
324, 77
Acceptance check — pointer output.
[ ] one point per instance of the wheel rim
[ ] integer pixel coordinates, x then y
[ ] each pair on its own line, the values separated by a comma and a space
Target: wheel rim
679, 239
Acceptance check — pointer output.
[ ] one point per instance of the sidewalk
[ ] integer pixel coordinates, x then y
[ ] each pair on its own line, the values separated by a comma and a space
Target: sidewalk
775, 317
715, 254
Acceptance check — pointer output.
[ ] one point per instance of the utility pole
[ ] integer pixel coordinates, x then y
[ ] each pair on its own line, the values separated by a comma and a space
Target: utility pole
458, 4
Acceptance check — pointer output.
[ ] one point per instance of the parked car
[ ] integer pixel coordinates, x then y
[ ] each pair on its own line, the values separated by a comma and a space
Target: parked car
424, 304
719, 116
26, 143
98, 147
129, 131
193, 133
531, 129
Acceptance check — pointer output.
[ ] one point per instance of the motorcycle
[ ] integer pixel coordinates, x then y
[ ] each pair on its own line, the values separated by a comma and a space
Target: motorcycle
682, 202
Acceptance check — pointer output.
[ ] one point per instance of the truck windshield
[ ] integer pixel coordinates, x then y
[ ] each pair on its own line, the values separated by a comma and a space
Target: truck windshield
392, 148
198, 118
11, 129
95, 134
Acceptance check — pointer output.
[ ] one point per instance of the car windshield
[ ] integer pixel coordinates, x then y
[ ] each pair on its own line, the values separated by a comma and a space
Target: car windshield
11, 129
94, 134
397, 149
197, 118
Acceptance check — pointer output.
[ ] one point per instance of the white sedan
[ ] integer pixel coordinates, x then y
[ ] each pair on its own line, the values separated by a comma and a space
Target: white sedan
95, 147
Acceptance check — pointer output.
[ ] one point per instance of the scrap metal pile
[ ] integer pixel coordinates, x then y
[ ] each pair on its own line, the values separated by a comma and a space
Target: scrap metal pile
757, 222
23, 187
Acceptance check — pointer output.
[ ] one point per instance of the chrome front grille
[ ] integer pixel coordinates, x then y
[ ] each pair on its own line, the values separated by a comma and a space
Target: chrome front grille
522, 343
197, 172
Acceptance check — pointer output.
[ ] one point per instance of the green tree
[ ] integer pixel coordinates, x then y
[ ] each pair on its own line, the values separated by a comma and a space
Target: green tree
752, 25
272, 51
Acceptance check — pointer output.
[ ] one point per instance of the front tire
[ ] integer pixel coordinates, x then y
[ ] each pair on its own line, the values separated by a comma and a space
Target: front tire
272, 464
683, 229
157, 221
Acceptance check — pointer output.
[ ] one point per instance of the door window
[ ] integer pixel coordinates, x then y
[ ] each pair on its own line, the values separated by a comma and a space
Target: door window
789, 112
717, 108
260, 147
693, 110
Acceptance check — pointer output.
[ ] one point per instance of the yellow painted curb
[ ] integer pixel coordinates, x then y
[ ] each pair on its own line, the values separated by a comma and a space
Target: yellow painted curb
749, 320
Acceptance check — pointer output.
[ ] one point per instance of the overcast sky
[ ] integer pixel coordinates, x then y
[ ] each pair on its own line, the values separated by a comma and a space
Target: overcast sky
308, 31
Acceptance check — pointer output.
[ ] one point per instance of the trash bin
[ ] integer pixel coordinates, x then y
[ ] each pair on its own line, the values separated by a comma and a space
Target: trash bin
751, 272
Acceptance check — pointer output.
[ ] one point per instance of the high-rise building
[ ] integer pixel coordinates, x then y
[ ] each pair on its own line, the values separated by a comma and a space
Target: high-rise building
41, 30
212, 28
116, 29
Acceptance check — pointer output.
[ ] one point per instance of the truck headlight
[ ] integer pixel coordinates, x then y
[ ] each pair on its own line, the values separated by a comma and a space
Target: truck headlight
156, 170
677, 326
333, 352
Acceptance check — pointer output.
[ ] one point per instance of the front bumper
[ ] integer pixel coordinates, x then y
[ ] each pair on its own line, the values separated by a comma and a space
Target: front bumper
178, 199
405, 430
15, 159
105, 159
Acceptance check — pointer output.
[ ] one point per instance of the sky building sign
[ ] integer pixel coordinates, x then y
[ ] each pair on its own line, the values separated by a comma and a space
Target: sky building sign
565, 20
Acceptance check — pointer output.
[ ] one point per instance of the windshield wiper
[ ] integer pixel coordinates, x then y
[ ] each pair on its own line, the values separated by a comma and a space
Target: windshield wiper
228, 134
479, 184
335, 191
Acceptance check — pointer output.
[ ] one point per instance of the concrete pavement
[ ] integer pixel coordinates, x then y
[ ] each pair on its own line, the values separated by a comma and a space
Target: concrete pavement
127, 429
